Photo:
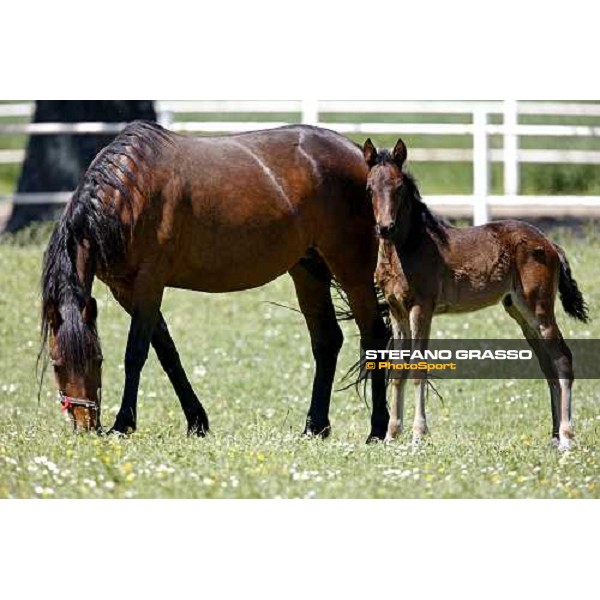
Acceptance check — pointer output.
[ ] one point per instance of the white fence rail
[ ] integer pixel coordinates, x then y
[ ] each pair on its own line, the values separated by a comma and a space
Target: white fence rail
477, 125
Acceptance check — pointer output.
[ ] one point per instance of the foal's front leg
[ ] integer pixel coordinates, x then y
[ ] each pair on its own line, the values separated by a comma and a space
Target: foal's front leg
420, 326
396, 423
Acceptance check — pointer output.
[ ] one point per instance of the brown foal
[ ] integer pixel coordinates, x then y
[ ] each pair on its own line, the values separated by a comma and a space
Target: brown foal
218, 214
428, 267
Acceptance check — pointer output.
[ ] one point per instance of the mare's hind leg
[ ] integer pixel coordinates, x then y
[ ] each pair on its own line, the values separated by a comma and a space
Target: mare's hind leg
358, 284
194, 412
312, 282
373, 335
537, 311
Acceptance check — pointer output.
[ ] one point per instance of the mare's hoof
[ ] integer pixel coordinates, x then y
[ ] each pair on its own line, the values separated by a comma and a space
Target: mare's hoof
116, 433
122, 429
378, 433
316, 430
198, 428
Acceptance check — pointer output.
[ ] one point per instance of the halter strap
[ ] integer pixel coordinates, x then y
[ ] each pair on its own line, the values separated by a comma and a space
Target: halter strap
70, 401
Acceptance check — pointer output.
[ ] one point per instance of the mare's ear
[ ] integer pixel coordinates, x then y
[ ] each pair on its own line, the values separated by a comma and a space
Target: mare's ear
53, 316
399, 153
90, 312
370, 153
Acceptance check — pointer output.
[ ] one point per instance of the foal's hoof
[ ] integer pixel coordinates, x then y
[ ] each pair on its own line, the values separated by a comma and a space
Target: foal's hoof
563, 445
316, 430
375, 438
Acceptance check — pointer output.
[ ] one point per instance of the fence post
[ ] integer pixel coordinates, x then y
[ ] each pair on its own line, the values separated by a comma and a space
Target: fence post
511, 148
164, 116
481, 173
310, 112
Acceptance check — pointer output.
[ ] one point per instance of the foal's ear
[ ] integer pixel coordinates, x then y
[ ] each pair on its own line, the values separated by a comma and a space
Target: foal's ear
90, 312
399, 153
370, 153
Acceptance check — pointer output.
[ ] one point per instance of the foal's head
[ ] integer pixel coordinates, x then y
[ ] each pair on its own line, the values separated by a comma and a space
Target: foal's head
76, 358
384, 184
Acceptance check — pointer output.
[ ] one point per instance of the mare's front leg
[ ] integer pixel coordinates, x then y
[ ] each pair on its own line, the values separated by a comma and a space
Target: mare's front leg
420, 326
145, 312
168, 356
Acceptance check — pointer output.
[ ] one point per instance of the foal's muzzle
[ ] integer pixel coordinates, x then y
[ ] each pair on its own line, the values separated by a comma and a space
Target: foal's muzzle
386, 231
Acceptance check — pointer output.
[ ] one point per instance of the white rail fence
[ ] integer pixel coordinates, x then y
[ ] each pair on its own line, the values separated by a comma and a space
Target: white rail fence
477, 125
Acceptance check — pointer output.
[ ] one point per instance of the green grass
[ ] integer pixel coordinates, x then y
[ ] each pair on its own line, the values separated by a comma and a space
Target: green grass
250, 363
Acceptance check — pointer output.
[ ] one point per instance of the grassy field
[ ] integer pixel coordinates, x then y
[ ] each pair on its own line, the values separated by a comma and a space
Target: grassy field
250, 362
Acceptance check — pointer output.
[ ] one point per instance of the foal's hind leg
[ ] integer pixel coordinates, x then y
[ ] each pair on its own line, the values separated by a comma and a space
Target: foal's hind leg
168, 356
314, 296
562, 360
532, 336
537, 310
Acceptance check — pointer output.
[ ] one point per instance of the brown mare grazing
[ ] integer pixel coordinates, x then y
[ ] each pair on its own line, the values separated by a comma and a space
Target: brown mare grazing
427, 267
218, 214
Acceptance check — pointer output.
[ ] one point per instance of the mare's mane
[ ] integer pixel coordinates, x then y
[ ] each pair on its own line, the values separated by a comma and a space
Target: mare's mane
91, 219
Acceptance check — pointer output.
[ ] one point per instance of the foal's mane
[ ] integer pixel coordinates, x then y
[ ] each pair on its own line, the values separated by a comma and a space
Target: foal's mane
422, 216
92, 218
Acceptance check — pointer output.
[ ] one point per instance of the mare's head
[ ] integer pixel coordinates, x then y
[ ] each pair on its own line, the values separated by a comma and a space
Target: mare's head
385, 185
69, 315
76, 358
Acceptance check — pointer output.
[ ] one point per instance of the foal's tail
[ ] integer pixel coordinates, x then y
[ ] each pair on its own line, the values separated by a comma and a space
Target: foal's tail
570, 294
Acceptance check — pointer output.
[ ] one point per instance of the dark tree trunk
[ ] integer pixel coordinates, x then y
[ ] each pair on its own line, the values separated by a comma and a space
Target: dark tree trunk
55, 163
